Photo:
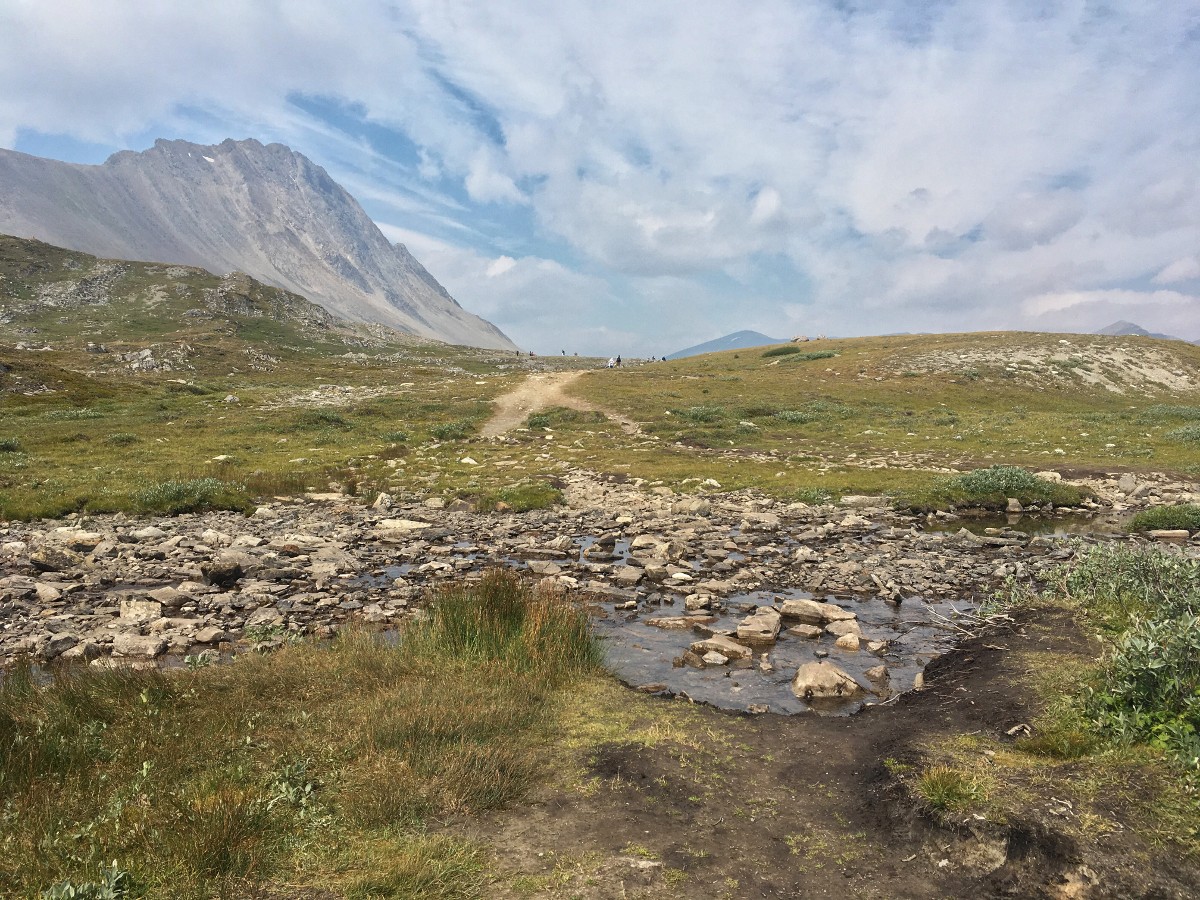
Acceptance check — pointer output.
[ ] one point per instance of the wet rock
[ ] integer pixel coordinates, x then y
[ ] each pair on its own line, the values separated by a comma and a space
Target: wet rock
812, 612
880, 678
713, 658
762, 627
843, 627
138, 646
723, 645
1014, 506
225, 569
847, 642
823, 680
58, 645
679, 622
806, 631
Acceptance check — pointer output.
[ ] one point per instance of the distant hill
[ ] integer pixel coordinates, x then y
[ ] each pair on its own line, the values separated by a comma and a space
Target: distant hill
1122, 327
739, 340
237, 206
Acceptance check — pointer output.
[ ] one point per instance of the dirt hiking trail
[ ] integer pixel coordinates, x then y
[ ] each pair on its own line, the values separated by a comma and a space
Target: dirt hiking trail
542, 391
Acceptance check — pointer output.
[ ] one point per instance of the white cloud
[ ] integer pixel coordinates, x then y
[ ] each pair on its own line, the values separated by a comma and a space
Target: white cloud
922, 166
1184, 269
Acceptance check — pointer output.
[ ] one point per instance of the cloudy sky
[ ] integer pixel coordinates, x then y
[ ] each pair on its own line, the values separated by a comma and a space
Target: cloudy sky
636, 177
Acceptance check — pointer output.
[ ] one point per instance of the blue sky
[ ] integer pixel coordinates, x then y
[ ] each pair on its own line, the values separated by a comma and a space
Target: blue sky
632, 177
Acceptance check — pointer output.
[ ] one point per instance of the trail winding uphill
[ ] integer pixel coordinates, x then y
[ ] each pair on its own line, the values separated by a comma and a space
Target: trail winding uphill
540, 391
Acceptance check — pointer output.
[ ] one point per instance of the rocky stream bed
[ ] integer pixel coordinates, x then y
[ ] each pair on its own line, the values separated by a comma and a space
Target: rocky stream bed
731, 599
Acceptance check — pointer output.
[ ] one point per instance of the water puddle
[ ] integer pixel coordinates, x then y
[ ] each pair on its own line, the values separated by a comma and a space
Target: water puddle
645, 656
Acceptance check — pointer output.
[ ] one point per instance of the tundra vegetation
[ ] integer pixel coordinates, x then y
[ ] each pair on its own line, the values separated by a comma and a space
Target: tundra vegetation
364, 768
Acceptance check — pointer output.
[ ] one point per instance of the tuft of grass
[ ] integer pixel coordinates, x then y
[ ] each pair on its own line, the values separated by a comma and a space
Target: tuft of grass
1182, 515
121, 439
947, 789
320, 419
10, 445
813, 354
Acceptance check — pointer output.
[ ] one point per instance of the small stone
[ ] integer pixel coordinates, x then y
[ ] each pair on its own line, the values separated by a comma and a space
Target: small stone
137, 646
806, 631
713, 658
138, 611
847, 642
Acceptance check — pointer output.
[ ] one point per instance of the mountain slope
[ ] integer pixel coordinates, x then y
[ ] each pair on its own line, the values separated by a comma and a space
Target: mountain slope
1122, 328
737, 341
237, 206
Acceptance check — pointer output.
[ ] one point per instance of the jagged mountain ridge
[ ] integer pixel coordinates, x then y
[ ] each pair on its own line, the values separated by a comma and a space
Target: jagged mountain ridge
236, 206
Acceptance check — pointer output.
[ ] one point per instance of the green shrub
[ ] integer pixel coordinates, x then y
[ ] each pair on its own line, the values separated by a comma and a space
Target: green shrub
562, 415
121, 439
452, 431
395, 437
520, 497
1183, 515
701, 415
785, 350
113, 885
1163, 412
10, 445
72, 415
194, 495
1189, 433
319, 419
990, 489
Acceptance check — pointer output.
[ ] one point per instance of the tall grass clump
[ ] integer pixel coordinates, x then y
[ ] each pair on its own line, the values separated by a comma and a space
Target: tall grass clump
813, 354
520, 497
503, 620
700, 415
10, 445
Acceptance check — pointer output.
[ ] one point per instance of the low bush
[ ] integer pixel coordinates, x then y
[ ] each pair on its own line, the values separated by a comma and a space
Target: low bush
452, 431
1189, 433
990, 488
785, 350
561, 415
320, 419
121, 439
193, 495
1183, 515
10, 445
700, 415
519, 497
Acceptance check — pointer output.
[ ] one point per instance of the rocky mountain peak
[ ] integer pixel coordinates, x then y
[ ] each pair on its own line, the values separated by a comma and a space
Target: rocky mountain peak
240, 205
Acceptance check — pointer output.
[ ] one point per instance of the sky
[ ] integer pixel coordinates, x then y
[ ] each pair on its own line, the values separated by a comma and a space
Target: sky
636, 177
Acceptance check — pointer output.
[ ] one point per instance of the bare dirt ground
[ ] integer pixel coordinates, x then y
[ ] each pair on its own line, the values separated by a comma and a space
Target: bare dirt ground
733, 806
542, 391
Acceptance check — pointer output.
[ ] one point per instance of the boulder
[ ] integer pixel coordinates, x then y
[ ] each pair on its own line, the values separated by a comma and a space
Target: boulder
823, 680
812, 612
139, 611
723, 645
54, 559
761, 627
137, 646
847, 642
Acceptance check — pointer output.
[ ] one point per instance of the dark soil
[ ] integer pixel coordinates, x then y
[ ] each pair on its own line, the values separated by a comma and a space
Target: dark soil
804, 806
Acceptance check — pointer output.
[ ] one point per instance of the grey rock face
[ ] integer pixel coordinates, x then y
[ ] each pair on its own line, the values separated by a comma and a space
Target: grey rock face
237, 206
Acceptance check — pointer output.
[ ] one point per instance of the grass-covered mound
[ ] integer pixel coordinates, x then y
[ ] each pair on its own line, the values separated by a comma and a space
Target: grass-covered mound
991, 489
318, 765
